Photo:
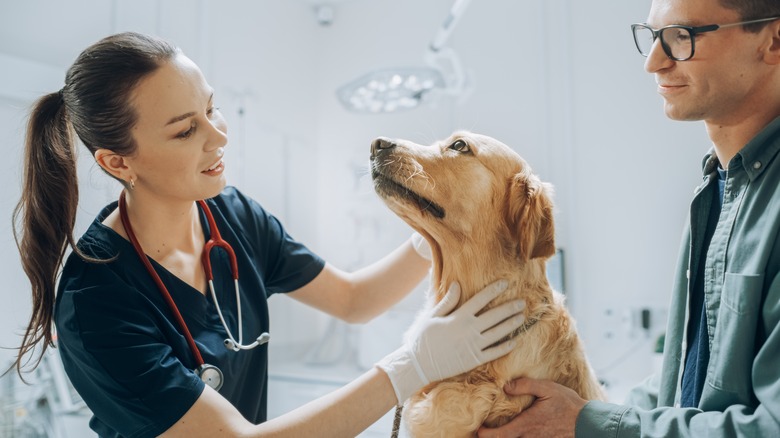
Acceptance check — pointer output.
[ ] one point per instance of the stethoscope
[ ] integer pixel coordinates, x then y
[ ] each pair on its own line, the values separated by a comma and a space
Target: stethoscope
210, 374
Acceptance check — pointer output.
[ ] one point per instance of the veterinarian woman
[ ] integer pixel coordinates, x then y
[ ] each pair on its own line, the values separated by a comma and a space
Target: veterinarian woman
154, 331
720, 374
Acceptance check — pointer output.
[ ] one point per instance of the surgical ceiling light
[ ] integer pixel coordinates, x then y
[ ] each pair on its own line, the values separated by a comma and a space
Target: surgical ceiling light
396, 89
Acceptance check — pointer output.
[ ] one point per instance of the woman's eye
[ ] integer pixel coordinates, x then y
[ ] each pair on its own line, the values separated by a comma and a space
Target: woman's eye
186, 134
460, 146
212, 110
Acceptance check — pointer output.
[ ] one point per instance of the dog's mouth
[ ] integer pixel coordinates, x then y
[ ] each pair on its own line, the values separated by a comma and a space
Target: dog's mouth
387, 186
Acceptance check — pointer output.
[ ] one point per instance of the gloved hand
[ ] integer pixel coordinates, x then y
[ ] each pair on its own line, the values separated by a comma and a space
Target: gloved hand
421, 246
445, 343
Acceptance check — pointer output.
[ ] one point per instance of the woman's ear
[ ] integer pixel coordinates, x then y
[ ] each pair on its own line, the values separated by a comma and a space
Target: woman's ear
114, 164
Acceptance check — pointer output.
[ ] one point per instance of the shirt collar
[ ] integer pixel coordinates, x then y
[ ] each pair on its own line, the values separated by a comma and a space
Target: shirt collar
761, 150
754, 157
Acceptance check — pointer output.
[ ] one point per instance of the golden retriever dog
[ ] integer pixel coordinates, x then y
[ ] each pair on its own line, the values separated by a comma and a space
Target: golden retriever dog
486, 217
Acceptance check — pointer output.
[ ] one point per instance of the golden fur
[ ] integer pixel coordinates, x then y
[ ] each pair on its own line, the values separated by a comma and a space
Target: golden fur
486, 216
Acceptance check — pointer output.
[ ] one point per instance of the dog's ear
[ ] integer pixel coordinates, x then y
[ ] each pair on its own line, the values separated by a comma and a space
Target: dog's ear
530, 215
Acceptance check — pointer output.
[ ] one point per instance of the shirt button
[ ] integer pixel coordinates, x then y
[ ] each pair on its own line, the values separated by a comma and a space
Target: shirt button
757, 165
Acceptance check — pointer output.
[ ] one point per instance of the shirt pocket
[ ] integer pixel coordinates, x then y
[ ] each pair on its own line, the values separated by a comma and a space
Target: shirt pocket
733, 346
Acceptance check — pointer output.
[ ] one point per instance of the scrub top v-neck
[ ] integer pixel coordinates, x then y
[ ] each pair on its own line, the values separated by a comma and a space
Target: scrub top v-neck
124, 352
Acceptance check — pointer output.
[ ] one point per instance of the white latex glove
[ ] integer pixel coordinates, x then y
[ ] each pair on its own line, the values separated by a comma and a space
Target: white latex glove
421, 246
446, 343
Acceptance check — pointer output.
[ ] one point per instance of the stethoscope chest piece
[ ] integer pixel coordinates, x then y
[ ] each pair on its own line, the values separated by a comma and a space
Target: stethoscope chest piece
210, 375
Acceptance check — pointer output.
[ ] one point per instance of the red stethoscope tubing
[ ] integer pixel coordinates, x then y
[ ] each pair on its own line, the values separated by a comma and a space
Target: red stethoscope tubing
215, 241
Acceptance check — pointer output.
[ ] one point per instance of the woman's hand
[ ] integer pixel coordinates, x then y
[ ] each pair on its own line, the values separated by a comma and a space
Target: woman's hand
448, 343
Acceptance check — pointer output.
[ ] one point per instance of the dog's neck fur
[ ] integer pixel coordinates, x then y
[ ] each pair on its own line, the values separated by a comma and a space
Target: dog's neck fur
473, 272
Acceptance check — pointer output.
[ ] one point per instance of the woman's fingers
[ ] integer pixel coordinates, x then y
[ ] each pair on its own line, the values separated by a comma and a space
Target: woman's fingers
483, 297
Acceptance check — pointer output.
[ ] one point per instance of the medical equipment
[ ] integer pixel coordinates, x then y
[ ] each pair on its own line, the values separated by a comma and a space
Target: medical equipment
210, 374
394, 89
45, 405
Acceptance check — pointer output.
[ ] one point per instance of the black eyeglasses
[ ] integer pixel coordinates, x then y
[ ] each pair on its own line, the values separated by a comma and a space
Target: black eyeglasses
677, 40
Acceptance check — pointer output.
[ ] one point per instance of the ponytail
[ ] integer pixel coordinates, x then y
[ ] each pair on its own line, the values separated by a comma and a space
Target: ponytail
44, 218
95, 106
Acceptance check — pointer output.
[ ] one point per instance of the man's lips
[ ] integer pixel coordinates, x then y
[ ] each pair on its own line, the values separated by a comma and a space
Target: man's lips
667, 89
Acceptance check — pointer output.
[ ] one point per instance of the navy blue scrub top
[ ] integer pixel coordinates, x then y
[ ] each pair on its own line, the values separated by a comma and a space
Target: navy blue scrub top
124, 352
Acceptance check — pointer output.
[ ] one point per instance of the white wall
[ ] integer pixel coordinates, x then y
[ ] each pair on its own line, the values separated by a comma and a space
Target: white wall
558, 80
562, 83
15, 296
633, 173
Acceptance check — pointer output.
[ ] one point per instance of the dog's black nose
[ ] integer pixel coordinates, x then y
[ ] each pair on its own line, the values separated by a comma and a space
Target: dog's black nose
381, 143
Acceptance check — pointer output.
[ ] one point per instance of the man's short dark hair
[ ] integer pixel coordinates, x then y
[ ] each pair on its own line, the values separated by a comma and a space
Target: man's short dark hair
754, 10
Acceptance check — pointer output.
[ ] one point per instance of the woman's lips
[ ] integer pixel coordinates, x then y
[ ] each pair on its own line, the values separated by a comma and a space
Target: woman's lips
215, 168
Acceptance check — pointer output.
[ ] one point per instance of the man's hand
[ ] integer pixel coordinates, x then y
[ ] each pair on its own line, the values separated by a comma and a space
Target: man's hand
552, 414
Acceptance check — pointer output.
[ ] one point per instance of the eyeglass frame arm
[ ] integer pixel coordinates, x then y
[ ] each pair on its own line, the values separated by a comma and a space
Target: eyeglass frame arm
692, 30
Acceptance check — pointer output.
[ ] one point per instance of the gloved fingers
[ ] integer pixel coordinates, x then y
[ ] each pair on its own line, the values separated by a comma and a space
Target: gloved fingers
448, 303
498, 351
421, 246
502, 330
497, 314
483, 297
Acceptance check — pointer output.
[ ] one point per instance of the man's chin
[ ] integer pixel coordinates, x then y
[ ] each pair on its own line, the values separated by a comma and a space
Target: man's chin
674, 112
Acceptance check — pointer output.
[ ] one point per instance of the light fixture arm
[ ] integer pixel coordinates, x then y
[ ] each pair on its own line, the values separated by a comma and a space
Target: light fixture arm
443, 34
390, 90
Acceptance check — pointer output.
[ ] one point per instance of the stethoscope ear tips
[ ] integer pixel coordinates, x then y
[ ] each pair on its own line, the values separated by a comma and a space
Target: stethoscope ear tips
233, 345
230, 345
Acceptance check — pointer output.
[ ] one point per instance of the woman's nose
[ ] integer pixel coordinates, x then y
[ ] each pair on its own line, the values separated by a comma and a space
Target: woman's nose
218, 133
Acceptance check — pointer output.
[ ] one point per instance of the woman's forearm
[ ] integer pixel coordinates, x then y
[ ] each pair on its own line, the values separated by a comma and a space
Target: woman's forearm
359, 296
344, 412
384, 283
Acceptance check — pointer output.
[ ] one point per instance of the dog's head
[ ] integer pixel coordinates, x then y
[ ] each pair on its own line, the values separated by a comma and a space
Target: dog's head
468, 191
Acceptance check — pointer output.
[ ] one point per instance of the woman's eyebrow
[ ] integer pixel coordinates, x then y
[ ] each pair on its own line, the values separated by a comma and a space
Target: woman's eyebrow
180, 118
187, 115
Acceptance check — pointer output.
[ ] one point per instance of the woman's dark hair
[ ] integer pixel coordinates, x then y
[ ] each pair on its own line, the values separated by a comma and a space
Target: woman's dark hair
754, 10
95, 105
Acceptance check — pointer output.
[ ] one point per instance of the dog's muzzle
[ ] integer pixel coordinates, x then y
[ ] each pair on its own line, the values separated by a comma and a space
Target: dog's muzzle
384, 167
379, 145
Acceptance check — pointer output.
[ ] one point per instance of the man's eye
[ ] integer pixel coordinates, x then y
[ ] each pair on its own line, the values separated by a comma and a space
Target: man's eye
683, 38
460, 146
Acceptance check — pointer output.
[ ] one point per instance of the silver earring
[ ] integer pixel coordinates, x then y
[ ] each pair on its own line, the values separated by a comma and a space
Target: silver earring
132, 183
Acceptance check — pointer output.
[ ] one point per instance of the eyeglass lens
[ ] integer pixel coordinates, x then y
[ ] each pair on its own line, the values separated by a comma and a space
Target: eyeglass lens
677, 42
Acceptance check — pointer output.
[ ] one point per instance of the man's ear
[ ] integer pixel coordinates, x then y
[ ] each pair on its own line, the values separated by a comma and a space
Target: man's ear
530, 216
772, 50
114, 164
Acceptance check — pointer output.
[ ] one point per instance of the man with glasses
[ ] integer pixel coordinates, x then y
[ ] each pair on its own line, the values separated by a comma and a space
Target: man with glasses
716, 61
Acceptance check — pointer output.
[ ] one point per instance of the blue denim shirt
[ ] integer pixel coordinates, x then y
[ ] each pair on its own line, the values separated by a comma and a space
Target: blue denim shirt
741, 395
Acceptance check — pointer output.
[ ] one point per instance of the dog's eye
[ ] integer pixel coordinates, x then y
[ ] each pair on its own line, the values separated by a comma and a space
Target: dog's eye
460, 146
